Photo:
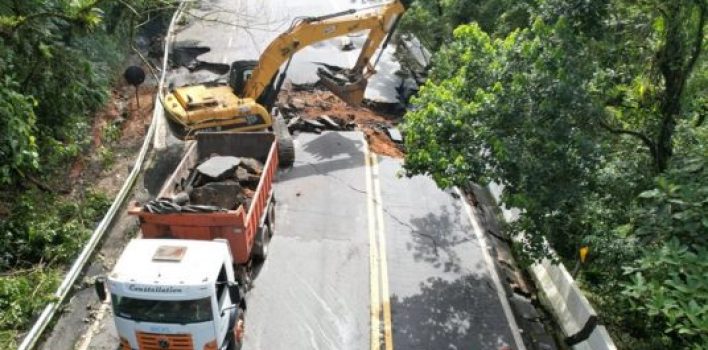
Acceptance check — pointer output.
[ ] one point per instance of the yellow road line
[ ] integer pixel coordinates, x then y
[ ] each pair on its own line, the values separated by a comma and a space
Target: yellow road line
373, 258
386, 303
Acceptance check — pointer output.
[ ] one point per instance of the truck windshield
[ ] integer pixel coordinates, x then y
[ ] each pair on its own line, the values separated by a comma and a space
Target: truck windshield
162, 311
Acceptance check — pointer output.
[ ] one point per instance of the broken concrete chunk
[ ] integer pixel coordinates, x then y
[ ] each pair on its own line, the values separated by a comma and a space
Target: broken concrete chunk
394, 134
329, 122
252, 165
314, 123
181, 198
224, 194
297, 103
294, 124
346, 44
219, 167
242, 174
245, 177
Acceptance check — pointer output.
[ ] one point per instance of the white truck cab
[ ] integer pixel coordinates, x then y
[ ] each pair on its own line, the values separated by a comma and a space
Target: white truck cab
174, 294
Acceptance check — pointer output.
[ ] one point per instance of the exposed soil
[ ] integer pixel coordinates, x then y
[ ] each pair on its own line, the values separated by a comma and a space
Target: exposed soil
315, 103
116, 136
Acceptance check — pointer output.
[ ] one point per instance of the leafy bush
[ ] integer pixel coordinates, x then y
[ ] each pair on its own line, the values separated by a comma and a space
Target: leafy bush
18, 150
22, 296
668, 283
41, 228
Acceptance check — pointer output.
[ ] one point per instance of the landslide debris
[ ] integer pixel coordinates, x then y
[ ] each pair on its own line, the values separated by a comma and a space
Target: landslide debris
308, 109
218, 183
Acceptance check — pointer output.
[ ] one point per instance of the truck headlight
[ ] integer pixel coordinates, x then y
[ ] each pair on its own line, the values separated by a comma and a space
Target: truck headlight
124, 344
210, 345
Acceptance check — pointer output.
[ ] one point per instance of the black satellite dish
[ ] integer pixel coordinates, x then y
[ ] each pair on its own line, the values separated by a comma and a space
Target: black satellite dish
135, 76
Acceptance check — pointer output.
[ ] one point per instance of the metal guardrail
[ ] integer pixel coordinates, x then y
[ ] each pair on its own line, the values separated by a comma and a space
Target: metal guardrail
40, 325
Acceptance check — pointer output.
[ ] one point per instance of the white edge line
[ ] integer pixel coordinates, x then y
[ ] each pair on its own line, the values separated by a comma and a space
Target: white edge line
493, 273
32, 336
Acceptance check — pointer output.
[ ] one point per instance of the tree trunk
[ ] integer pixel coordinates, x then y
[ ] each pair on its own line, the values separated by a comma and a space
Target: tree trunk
676, 60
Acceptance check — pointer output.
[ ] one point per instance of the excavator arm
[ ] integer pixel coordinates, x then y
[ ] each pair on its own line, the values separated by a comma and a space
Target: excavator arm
379, 21
243, 106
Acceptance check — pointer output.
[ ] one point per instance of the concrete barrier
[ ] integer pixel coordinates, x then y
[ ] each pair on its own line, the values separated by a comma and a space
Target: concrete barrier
572, 311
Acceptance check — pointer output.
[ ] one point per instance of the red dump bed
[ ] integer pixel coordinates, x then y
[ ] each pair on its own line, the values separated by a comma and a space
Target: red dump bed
238, 226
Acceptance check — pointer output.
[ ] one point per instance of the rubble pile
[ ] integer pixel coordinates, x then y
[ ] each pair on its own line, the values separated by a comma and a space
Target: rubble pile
217, 184
307, 109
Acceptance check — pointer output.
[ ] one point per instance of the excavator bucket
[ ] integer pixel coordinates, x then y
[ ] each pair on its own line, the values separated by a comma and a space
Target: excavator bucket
347, 86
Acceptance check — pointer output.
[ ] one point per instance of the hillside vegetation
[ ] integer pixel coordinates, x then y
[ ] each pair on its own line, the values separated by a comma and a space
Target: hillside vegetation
58, 61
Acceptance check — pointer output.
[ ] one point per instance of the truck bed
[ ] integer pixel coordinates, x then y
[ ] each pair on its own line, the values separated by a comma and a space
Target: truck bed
238, 226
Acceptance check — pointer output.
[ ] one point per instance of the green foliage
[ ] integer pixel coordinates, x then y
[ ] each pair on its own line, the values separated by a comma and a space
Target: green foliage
591, 117
111, 133
668, 283
481, 122
58, 60
18, 149
22, 296
668, 286
106, 156
42, 228
41, 234
433, 21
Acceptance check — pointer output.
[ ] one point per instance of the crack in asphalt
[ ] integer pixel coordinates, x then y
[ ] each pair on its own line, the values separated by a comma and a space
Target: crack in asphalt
386, 211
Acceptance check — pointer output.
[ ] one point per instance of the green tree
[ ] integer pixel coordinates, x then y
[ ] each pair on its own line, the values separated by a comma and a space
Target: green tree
433, 21
575, 114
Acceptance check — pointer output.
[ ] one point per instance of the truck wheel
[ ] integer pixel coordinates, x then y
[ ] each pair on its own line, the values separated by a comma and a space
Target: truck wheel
234, 337
286, 148
260, 246
271, 218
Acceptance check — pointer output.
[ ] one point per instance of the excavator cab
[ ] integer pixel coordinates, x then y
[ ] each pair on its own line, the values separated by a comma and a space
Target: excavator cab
240, 74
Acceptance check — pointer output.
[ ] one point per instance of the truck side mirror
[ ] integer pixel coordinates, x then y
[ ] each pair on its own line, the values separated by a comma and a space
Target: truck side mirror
100, 285
234, 293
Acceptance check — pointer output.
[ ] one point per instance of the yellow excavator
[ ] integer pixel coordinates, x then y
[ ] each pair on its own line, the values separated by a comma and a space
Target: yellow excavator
244, 104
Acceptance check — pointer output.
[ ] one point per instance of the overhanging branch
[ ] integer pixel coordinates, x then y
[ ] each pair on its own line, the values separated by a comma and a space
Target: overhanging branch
644, 138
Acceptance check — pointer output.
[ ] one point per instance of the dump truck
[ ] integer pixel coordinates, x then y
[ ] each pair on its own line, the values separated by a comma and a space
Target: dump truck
232, 201
182, 285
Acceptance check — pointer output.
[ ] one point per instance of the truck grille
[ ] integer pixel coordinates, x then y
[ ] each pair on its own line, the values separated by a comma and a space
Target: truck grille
151, 341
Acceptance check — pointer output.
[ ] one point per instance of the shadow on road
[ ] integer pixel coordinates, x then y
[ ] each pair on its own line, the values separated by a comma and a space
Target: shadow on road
435, 236
327, 153
459, 314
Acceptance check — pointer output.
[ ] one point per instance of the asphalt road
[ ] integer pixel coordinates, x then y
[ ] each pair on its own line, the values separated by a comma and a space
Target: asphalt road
363, 258
313, 290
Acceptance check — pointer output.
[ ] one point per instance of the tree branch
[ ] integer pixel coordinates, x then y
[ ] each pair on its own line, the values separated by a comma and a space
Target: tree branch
645, 139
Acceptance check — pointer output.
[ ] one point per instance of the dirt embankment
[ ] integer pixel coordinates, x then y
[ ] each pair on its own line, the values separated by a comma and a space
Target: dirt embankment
312, 104
117, 132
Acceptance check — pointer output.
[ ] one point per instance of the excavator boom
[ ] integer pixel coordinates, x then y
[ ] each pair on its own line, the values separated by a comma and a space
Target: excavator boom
379, 21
